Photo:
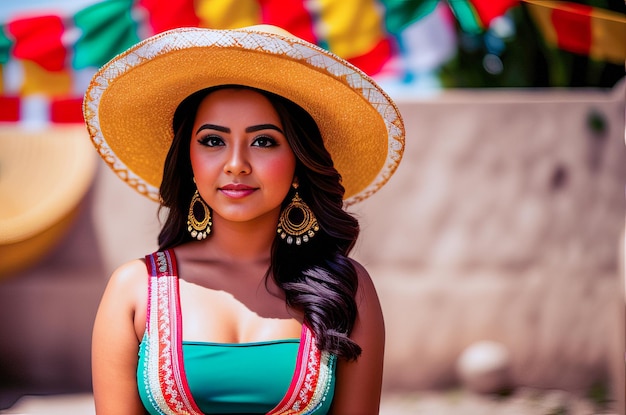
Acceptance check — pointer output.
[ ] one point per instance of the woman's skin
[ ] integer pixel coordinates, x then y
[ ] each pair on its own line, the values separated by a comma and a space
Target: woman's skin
243, 168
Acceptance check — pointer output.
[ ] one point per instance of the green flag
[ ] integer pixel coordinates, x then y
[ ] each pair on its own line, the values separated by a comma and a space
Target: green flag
107, 29
401, 13
5, 46
466, 14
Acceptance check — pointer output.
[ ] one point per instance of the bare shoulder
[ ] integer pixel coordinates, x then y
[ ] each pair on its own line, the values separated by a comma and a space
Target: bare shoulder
127, 291
129, 274
360, 269
367, 289
128, 280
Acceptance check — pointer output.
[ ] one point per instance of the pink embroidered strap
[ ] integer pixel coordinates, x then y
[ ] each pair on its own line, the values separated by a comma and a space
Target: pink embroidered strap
168, 385
312, 380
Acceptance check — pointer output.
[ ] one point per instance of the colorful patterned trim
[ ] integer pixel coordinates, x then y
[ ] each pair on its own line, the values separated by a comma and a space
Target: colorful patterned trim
164, 378
166, 383
312, 380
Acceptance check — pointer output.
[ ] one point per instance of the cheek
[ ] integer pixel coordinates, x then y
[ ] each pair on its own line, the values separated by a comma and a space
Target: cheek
194, 159
201, 164
280, 170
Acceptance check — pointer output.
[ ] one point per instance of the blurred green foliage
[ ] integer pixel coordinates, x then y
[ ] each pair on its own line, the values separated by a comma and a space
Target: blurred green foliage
518, 57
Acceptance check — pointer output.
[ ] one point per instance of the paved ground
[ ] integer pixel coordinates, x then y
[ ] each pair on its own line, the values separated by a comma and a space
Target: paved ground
522, 402
456, 402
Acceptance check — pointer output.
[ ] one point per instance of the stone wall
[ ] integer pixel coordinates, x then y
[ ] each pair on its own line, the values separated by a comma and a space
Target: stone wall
504, 222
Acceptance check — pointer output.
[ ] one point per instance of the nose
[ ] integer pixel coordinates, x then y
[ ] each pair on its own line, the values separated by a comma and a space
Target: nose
237, 161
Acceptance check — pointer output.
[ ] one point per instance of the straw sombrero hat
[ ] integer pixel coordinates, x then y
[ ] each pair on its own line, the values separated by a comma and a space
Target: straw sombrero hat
130, 103
44, 176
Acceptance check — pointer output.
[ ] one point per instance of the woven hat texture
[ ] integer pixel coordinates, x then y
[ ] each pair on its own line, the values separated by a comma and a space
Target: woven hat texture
130, 103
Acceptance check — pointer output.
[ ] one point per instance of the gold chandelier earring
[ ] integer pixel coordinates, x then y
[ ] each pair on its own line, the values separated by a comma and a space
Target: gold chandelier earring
297, 222
199, 228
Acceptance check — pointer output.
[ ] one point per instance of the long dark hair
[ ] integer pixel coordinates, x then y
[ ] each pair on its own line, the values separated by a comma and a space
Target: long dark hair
317, 277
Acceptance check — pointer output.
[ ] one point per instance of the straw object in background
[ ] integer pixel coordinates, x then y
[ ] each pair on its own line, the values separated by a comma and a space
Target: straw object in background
44, 175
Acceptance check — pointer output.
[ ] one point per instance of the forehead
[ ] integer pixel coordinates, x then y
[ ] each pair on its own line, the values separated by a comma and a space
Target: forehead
236, 104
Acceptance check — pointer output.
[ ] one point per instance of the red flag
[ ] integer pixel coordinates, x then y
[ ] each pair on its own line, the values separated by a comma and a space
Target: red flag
572, 23
577, 28
488, 10
38, 39
291, 15
9, 108
66, 110
170, 14
373, 61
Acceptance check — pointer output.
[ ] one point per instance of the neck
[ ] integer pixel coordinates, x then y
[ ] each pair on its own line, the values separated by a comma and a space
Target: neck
243, 241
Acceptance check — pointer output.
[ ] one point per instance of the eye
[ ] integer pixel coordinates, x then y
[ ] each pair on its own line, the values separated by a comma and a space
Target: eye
264, 141
211, 141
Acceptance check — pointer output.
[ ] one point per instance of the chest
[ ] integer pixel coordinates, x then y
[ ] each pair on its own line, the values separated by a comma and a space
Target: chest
244, 316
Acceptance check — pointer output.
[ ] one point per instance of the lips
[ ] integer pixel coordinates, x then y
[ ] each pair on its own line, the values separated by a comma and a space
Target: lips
237, 190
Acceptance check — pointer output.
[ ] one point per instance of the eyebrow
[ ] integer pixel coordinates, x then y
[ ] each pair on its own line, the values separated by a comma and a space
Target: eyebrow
250, 129
213, 127
260, 127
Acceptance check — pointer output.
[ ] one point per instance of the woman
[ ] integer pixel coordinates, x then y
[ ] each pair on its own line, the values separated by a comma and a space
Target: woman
255, 140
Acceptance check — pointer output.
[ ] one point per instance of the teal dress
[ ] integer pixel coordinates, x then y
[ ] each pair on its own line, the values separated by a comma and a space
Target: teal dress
289, 376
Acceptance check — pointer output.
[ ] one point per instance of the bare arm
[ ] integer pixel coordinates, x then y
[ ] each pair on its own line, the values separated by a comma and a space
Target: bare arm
358, 384
115, 344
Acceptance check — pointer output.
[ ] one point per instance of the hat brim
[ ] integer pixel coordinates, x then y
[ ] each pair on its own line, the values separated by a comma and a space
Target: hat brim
131, 101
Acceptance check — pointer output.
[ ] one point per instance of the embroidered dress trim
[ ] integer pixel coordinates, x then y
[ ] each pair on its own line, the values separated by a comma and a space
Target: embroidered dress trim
164, 378
312, 379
